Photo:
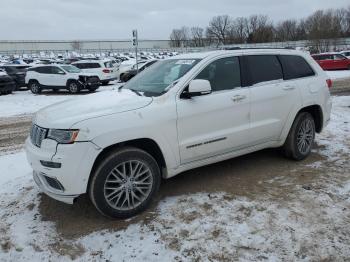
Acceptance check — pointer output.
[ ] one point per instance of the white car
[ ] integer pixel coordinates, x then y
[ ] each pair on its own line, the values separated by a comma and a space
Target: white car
345, 53
57, 77
181, 113
104, 69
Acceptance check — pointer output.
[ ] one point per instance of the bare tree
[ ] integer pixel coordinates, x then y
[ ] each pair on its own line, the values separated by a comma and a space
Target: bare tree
180, 37
287, 30
197, 35
219, 29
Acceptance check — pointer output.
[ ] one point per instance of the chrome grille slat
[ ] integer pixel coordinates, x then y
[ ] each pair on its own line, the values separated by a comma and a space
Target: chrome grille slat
37, 135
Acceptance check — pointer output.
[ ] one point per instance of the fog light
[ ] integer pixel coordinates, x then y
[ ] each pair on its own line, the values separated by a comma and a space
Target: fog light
50, 164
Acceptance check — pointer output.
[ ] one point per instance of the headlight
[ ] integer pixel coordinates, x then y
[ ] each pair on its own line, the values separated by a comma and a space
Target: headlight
63, 136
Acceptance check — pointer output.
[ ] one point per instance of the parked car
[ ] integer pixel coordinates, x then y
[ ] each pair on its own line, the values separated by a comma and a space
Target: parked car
60, 77
346, 53
332, 61
17, 73
181, 113
7, 85
104, 69
126, 76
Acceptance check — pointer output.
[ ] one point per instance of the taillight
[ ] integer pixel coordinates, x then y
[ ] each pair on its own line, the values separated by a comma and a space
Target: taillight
106, 71
329, 83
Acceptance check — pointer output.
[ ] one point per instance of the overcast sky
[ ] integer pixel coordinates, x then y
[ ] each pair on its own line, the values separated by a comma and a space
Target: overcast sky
113, 19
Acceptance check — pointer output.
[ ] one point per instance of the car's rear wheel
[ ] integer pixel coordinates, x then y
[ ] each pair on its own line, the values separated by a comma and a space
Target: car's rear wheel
124, 183
35, 87
73, 87
301, 137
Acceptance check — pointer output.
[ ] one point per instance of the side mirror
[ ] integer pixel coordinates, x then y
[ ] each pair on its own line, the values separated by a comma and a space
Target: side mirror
197, 87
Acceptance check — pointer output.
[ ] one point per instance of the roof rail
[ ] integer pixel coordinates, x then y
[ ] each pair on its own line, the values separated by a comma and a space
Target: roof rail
256, 48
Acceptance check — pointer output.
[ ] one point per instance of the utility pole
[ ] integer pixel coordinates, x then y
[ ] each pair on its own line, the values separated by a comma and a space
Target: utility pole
135, 43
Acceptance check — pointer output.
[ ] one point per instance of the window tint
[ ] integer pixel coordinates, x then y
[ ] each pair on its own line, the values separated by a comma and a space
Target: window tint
263, 68
108, 64
222, 74
92, 65
295, 67
56, 70
80, 66
43, 70
339, 57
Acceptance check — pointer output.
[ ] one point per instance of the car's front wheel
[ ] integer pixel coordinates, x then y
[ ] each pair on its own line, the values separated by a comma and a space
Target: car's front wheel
73, 87
301, 137
35, 87
125, 183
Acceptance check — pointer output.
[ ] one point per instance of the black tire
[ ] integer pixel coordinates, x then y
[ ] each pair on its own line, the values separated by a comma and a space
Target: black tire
99, 193
293, 146
34, 86
73, 87
104, 83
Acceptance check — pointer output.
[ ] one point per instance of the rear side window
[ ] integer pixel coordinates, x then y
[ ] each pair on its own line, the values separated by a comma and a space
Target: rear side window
92, 65
263, 68
295, 67
108, 64
43, 70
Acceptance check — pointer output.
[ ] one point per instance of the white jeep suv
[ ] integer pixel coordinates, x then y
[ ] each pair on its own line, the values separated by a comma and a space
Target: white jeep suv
104, 69
57, 77
184, 112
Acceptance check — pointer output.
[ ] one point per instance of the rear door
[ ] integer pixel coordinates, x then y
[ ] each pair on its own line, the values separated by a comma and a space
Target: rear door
43, 75
58, 76
272, 99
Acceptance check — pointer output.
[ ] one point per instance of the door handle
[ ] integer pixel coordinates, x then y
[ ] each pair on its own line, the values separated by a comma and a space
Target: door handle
238, 98
288, 87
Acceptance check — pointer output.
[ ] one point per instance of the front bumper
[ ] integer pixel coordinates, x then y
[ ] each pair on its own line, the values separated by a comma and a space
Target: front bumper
76, 163
11, 86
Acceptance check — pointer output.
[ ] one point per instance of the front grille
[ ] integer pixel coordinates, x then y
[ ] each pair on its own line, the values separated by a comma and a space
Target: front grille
37, 135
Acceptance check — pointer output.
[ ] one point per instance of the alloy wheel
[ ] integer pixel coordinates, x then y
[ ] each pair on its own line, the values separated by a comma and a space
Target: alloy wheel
305, 136
128, 185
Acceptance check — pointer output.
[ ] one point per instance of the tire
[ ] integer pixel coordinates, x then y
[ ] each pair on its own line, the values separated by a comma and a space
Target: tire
104, 83
301, 136
73, 87
112, 182
34, 86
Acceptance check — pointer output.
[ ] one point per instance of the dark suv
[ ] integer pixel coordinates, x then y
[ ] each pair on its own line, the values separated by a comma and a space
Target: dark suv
7, 85
17, 73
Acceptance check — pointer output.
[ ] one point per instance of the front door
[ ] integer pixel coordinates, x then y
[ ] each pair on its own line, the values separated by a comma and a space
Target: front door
215, 123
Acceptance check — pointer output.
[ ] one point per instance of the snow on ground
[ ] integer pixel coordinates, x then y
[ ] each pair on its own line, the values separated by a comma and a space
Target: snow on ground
309, 225
24, 102
338, 75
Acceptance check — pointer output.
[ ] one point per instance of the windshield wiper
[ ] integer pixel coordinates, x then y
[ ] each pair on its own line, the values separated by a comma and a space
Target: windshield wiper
136, 92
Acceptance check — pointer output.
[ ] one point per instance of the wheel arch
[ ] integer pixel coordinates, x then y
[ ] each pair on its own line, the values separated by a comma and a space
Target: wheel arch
317, 114
148, 145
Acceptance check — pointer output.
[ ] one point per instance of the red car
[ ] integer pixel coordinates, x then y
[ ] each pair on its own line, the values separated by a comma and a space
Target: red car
332, 61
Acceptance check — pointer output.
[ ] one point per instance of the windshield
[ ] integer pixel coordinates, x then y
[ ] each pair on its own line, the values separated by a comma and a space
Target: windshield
71, 69
159, 76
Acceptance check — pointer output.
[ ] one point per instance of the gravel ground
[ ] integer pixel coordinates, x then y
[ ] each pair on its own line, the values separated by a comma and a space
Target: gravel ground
258, 207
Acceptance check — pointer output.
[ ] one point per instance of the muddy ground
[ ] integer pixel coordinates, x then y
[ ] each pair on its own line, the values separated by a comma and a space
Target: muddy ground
261, 175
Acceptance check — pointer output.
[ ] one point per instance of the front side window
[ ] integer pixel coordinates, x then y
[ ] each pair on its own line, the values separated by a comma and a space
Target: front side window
71, 69
56, 70
263, 68
295, 67
157, 79
223, 74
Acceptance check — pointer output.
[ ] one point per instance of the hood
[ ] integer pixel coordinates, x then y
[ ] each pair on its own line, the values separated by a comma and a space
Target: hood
64, 115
